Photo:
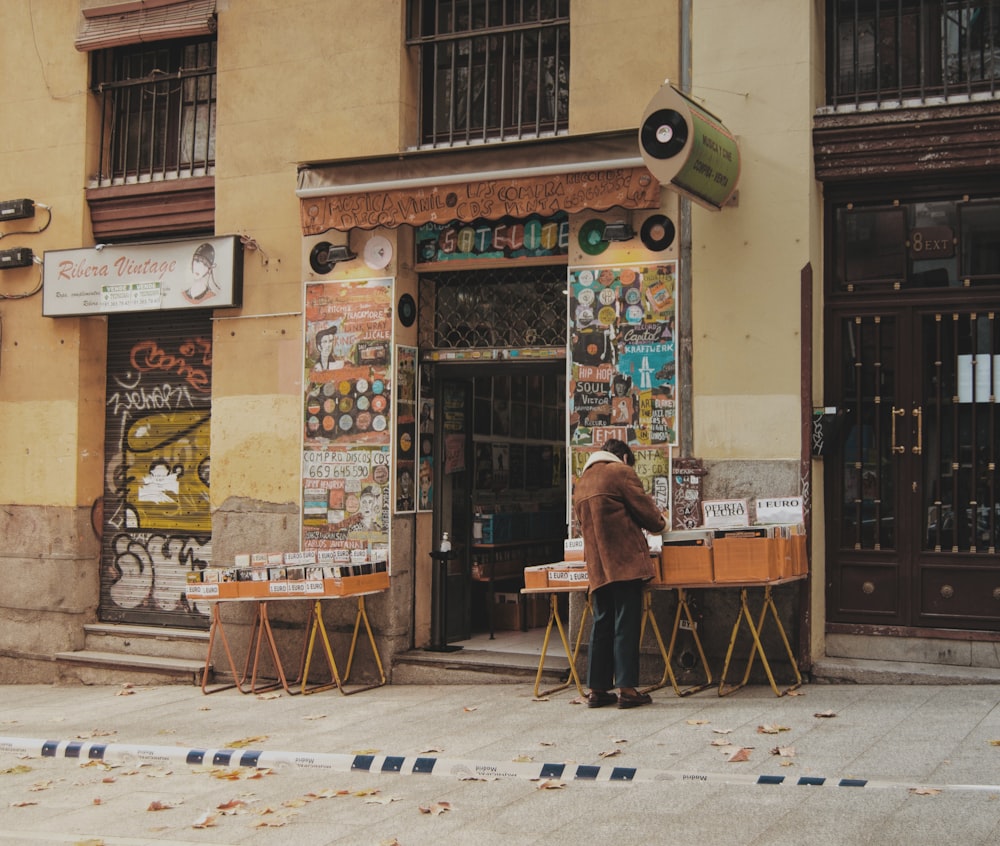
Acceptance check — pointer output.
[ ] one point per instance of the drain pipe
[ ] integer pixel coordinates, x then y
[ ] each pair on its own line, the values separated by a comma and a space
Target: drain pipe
685, 366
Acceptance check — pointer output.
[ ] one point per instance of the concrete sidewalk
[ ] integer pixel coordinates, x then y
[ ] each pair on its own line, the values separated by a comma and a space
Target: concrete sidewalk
884, 765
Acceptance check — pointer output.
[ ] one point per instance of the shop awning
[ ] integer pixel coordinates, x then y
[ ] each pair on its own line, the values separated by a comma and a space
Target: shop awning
107, 24
588, 172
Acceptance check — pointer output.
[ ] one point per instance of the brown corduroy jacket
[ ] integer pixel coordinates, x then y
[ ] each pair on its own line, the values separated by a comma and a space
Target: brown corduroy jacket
613, 509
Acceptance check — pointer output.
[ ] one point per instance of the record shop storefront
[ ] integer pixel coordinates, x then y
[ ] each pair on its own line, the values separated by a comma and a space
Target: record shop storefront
469, 253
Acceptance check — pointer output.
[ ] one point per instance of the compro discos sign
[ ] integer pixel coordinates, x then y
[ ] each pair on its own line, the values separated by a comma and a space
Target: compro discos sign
688, 148
200, 273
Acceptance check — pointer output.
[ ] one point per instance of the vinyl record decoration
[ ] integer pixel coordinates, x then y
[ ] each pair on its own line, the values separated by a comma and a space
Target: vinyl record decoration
591, 237
657, 232
664, 134
348, 407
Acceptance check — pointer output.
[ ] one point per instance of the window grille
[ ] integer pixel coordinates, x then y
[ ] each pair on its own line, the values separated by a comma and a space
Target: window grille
491, 70
157, 111
895, 51
494, 309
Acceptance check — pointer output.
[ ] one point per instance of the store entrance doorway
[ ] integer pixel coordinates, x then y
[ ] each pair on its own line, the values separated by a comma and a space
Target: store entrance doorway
500, 493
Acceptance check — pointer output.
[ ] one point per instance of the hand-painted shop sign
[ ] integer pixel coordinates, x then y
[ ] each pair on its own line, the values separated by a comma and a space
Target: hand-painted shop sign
493, 199
508, 237
201, 273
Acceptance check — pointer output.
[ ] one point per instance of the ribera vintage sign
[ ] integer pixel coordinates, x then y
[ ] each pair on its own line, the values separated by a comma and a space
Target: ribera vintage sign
200, 273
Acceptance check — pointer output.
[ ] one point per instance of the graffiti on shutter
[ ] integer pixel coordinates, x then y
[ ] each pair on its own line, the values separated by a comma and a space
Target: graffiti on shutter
156, 518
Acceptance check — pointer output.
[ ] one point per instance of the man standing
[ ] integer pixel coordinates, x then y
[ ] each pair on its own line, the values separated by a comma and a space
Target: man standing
613, 510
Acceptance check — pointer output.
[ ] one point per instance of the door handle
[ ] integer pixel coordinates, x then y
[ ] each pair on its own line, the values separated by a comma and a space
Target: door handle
896, 412
918, 412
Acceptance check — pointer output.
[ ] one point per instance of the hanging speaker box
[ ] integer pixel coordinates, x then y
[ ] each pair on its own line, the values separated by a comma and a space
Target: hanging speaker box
688, 148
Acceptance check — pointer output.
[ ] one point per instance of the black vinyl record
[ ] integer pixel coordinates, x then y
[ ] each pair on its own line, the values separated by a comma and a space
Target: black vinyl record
664, 134
407, 310
657, 232
319, 259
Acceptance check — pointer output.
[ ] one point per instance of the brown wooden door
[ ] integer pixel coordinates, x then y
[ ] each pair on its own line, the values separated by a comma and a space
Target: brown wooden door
913, 512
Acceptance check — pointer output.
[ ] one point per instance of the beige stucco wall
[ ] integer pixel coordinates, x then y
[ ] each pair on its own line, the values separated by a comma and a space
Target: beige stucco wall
752, 68
49, 454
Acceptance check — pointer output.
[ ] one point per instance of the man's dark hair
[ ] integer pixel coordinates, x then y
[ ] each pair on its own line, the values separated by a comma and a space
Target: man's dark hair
621, 449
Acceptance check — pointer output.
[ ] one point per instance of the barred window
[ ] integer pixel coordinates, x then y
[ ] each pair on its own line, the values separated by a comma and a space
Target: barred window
157, 110
896, 50
491, 70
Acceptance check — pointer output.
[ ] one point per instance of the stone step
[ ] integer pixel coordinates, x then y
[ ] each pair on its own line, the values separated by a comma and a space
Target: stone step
96, 667
475, 666
159, 641
867, 671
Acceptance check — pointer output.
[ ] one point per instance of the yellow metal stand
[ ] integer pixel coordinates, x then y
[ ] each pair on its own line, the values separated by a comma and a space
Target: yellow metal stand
318, 626
667, 652
556, 620
757, 647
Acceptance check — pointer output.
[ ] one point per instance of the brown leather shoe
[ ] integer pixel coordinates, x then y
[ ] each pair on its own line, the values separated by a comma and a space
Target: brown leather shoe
600, 698
634, 700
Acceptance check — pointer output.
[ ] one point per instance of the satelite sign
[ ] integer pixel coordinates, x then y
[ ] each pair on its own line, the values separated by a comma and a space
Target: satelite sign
201, 273
688, 148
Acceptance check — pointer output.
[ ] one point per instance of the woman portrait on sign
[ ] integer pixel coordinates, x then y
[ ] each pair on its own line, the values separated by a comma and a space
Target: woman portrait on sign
203, 285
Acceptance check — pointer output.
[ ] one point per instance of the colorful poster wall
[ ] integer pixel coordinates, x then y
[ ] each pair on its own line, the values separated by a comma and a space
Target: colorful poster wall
406, 429
347, 416
622, 364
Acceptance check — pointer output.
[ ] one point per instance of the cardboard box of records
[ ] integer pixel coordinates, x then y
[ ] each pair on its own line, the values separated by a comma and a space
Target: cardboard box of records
686, 558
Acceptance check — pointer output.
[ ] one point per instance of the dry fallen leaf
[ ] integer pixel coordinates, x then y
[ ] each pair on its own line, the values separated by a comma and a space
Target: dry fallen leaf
471, 708
157, 805
577, 701
436, 809
431, 749
610, 753
825, 714
41, 785
393, 842
771, 729
924, 791
551, 784
125, 692
272, 695
784, 751
741, 754
697, 722
22, 804
381, 800
995, 743
231, 807
206, 820
540, 699
247, 741
721, 741
20, 768
722, 731
796, 693
545, 743
329, 793
522, 759
314, 717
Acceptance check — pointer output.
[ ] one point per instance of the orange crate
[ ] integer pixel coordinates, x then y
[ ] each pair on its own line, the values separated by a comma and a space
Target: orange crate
213, 590
536, 578
746, 559
682, 564
568, 575
351, 585
799, 555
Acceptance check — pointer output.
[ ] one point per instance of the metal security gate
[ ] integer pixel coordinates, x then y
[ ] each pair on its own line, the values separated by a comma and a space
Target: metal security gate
156, 520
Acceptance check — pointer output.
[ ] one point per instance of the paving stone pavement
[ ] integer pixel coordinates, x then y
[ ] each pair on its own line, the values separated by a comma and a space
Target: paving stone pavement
845, 764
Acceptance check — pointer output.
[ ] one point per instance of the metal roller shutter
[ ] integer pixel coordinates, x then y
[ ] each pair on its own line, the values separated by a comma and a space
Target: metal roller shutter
157, 524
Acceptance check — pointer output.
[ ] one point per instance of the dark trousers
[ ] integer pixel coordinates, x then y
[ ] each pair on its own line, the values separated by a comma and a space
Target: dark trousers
614, 639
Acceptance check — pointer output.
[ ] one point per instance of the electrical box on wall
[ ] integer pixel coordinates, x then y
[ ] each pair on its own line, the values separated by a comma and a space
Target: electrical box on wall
17, 257
16, 209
